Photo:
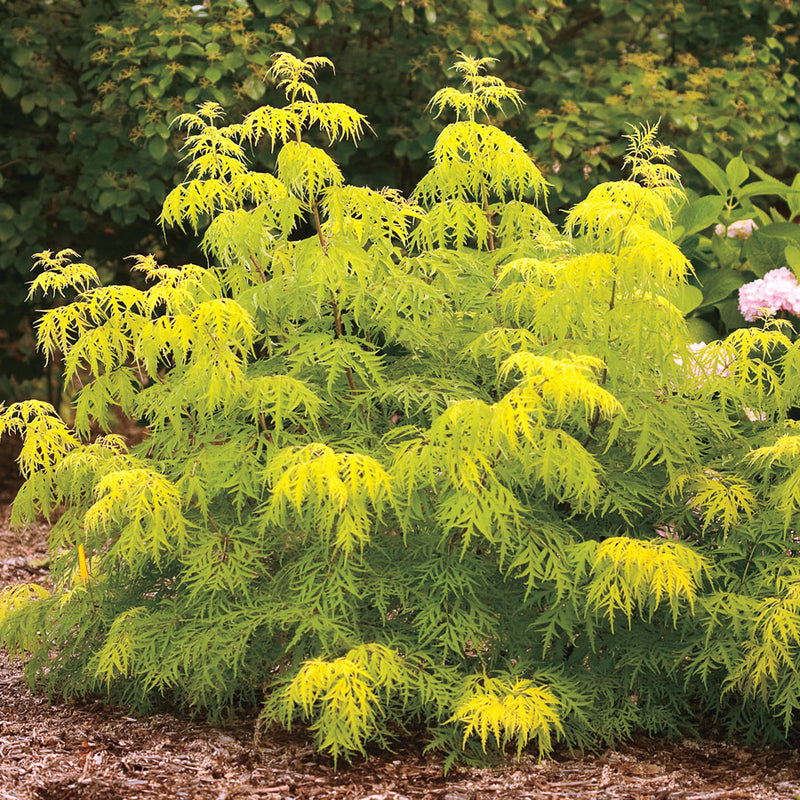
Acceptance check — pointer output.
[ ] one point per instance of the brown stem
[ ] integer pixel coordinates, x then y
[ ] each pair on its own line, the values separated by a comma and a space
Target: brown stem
337, 317
13, 161
490, 220
318, 225
337, 324
565, 34
255, 263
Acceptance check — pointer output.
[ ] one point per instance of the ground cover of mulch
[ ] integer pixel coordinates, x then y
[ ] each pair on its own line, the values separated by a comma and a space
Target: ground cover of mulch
89, 751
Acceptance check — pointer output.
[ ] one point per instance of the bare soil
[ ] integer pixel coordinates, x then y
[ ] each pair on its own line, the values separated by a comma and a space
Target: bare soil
89, 751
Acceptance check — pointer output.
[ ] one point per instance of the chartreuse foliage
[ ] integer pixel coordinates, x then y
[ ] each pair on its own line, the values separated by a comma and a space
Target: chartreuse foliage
414, 463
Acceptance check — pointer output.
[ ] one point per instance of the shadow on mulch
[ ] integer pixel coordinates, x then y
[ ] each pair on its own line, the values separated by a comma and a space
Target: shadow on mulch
89, 751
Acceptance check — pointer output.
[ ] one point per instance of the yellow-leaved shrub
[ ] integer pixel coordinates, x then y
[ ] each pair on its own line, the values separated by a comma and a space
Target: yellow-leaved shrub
432, 461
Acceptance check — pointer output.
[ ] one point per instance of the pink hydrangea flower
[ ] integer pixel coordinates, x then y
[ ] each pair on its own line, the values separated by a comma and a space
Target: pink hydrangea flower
742, 229
776, 291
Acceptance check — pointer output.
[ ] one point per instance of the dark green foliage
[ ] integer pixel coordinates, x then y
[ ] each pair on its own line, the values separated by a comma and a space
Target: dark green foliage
428, 462
731, 240
88, 89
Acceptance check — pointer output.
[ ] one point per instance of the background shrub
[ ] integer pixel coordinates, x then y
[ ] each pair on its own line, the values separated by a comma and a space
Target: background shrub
89, 88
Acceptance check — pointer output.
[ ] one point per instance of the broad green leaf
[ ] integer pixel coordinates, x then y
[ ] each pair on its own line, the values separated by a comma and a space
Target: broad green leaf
611, 7
699, 214
10, 85
737, 171
21, 56
700, 330
193, 49
157, 148
635, 12
254, 87
271, 8
713, 173
717, 284
764, 250
688, 298
765, 188
324, 13
792, 254
787, 231
563, 147
764, 253
730, 314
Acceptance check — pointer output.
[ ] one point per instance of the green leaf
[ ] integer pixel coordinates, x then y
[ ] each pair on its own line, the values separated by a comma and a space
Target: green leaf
254, 87
454, 39
787, 231
408, 13
729, 313
10, 85
213, 74
765, 248
611, 7
717, 284
699, 214
21, 56
737, 172
157, 148
764, 253
765, 188
709, 170
700, 330
792, 254
324, 13
27, 103
688, 298
271, 8
563, 148
636, 13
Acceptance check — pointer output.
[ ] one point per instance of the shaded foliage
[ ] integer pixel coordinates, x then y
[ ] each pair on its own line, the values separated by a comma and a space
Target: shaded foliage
89, 88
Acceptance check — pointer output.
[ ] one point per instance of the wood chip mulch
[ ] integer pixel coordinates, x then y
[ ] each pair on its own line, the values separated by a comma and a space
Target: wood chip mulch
89, 751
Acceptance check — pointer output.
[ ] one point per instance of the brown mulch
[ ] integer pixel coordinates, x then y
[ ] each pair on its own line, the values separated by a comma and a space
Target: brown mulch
89, 751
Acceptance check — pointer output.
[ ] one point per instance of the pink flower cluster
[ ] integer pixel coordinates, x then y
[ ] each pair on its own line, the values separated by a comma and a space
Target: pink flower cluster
776, 291
742, 229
